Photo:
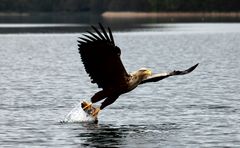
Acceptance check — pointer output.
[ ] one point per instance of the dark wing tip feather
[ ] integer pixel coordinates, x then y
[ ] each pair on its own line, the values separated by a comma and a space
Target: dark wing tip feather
111, 36
90, 37
99, 33
104, 32
85, 39
98, 36
81, 42
192, 68
177, 72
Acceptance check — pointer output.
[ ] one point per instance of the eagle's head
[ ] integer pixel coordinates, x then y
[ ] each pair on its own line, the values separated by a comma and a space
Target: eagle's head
144, 73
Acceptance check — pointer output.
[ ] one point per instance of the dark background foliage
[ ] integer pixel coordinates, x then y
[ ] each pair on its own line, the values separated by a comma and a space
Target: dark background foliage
99, 6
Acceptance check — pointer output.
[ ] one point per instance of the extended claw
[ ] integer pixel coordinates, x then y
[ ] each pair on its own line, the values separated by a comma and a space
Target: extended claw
86, 105
90, 109
95, 112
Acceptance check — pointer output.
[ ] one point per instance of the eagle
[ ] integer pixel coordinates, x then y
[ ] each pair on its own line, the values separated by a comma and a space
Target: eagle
101, 59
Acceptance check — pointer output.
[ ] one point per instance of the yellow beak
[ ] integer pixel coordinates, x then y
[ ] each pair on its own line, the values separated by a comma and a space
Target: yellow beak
148, 72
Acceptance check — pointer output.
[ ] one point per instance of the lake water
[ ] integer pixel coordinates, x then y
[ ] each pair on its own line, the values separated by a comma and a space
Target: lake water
42, 79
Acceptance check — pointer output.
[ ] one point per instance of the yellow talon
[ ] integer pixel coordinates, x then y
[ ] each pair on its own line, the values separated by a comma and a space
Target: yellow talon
86, 105
95, 112
89, 109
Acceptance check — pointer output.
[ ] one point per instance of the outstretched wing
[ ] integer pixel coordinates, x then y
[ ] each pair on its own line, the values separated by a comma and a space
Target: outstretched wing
158, 77
101, 58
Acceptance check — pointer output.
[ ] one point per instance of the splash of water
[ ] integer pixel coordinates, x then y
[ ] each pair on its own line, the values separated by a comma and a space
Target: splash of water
77, 114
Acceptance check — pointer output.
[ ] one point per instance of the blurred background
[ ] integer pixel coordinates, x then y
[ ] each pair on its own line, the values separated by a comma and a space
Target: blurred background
71, 15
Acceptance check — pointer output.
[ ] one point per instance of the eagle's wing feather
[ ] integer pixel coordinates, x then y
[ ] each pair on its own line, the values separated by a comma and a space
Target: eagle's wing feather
101, 59
160, 76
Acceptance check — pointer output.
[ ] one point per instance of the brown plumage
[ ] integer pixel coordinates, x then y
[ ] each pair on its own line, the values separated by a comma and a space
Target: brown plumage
101, 59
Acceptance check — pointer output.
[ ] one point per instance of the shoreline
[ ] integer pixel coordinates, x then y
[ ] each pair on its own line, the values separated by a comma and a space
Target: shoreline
130, 15
11, 14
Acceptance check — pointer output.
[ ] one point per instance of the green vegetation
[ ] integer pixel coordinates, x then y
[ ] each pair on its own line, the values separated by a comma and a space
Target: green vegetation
98, 6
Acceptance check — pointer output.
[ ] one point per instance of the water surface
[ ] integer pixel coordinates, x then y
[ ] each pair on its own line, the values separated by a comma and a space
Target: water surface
42, 79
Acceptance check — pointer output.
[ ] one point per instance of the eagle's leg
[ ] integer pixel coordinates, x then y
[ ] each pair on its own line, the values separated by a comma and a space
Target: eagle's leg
95, 98
98, 96
105, 103
108, 101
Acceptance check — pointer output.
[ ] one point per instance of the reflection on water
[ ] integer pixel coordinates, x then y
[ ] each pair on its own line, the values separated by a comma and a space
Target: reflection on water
107, 135
102, 135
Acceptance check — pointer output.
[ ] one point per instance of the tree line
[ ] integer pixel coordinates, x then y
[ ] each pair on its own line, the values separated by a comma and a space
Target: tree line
99, 6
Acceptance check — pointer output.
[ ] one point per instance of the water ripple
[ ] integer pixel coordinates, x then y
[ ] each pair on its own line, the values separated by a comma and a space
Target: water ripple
42, 78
